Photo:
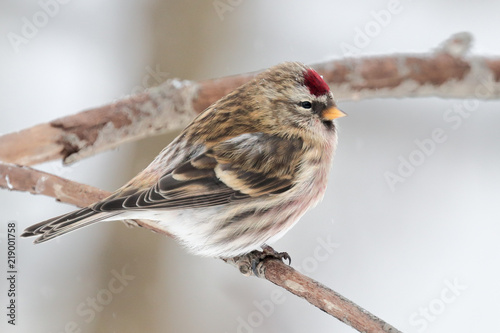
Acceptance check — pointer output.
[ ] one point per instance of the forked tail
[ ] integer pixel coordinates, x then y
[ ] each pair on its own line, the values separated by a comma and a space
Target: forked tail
63, 224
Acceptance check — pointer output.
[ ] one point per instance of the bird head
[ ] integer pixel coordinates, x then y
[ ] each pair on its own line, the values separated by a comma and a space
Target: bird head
289, 99
296, 98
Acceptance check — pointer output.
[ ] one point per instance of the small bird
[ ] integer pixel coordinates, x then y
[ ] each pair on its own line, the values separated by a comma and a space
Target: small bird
239, 176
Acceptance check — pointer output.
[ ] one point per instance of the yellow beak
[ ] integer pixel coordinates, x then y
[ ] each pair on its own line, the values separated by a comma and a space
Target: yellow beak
332, 113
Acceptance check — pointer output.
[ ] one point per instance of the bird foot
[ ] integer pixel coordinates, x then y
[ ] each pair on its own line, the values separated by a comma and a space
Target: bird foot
253, 262
270, 252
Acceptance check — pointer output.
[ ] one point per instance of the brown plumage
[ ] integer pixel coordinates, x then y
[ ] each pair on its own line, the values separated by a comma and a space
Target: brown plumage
239, 176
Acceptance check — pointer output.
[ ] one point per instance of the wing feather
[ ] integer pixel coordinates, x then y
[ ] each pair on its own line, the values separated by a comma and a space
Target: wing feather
247, 166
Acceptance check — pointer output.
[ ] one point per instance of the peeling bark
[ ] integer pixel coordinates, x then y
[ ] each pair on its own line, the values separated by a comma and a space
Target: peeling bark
153, 112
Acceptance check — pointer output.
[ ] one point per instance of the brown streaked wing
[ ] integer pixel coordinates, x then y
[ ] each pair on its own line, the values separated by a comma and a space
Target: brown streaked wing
247, 166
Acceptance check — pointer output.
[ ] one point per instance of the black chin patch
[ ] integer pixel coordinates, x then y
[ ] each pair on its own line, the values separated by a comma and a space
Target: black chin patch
328, 124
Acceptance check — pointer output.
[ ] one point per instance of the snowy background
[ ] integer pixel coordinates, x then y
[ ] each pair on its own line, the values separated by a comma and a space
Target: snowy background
422, 254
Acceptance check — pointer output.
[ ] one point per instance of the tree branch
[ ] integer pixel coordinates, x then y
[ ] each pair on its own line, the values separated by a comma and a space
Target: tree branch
445, 72
322, 297
26, 179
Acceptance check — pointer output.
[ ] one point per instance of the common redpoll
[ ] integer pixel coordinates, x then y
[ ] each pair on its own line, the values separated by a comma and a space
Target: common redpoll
239, 176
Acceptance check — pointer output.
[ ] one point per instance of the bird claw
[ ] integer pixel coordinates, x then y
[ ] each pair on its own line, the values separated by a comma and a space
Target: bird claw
267, 252
253, 262
270, 252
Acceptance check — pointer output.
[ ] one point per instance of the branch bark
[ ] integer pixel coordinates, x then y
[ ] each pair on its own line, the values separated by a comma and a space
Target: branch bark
445, 72
25, 179
322, 297
21, 178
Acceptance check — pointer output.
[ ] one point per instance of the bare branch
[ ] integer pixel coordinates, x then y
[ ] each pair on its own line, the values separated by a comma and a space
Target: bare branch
26, 179
446, 72
158, 110
322, 297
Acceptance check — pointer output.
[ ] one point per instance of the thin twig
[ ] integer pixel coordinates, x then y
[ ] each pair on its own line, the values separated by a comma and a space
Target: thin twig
26, 179
445, 72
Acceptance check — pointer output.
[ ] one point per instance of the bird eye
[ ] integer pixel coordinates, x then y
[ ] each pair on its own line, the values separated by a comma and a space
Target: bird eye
306, 104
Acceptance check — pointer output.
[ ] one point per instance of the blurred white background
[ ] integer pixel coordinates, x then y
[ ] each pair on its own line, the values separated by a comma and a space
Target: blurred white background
423, 257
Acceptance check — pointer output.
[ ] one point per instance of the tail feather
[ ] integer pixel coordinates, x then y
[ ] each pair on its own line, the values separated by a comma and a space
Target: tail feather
63, 224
